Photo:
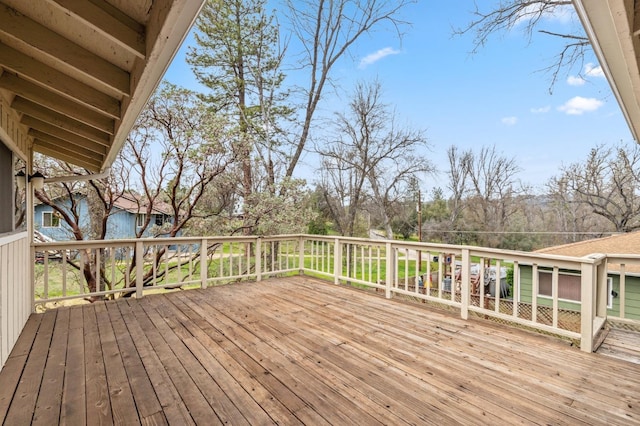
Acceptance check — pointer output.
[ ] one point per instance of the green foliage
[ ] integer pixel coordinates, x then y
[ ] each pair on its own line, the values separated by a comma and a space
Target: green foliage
318, 226
403, 227
284, 212
510, 279
437, 209
236, 56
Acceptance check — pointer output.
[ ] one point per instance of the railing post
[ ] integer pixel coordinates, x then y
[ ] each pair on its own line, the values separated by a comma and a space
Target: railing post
32, 277
587, 290
390, 259
464, 288
258, 259
622, 294
601, 304
204, 266
337, 260
301, 241
139, 268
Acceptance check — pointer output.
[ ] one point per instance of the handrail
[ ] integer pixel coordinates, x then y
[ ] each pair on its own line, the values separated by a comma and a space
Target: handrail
464, 278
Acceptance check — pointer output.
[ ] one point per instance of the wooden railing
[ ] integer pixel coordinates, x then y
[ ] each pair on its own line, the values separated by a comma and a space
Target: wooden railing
497, 284
109, 268
15, 291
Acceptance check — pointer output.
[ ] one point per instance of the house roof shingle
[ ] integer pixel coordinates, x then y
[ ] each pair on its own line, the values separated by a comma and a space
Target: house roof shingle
627, 243
132, 204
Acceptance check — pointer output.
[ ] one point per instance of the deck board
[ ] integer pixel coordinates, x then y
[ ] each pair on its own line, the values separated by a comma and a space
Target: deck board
301, 351
74, 403
24, 400
622, 344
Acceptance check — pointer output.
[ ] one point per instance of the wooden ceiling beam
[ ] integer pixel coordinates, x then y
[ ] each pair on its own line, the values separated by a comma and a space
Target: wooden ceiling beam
51, 44
55, 80
40, 127
62, 143
67, 155
66, 144
56, 102
32, 111
104, 21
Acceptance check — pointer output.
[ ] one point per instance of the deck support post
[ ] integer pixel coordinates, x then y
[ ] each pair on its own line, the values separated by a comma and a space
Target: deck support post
139, 268
587, 291
203, 263
258, 259
301, 241
602, 296
337, 260
464, 284
391, 266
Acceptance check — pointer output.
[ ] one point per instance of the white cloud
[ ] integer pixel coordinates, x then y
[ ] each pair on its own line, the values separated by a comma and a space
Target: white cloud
509, 121
575, 80
579, 105
562, 14
590, 70
541, 110
376, 56
593, 71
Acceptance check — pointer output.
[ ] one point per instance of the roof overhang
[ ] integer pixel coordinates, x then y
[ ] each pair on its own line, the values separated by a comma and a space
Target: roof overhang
76, 74
614, 32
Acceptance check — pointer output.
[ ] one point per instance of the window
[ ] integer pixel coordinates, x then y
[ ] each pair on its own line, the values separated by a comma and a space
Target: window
610, 293
159, 220
141, 218
50, 220
568, 286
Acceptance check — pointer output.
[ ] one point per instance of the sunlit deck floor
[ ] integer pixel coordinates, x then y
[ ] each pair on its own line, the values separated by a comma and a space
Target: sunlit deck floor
300, 351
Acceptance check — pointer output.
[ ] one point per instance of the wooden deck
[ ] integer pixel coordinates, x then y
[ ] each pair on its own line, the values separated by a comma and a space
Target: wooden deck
300, 351
622, 344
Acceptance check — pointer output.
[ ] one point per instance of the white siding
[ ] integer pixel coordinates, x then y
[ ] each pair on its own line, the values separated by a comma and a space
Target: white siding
15, 292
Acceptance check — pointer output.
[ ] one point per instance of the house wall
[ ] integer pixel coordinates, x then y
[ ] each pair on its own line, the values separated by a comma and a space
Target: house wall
15, 290
120, 225
16, 295
632, 296
526, 285
64, 232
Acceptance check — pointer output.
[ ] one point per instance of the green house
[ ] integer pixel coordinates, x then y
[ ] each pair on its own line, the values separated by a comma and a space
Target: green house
569, 290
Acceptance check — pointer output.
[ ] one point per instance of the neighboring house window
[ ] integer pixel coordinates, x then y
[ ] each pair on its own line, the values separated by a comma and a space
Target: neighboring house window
159, 219
50, 220
610, 293
568, 286
140, 220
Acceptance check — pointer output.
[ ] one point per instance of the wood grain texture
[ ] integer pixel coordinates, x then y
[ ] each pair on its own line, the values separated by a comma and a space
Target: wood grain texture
301, 351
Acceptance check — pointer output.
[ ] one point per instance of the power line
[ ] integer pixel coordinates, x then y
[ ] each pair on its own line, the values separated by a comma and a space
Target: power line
527, 232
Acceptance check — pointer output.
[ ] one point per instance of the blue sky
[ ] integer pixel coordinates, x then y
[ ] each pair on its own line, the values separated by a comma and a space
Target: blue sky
495, 97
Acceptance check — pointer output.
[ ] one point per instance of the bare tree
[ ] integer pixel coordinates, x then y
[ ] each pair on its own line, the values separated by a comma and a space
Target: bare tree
327, 29
529, 16
608, 182
571, 218
458, 182
493, 191
371, 156
65, 199
176, 151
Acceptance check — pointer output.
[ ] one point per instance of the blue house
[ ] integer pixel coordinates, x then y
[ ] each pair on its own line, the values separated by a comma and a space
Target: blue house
127, 218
